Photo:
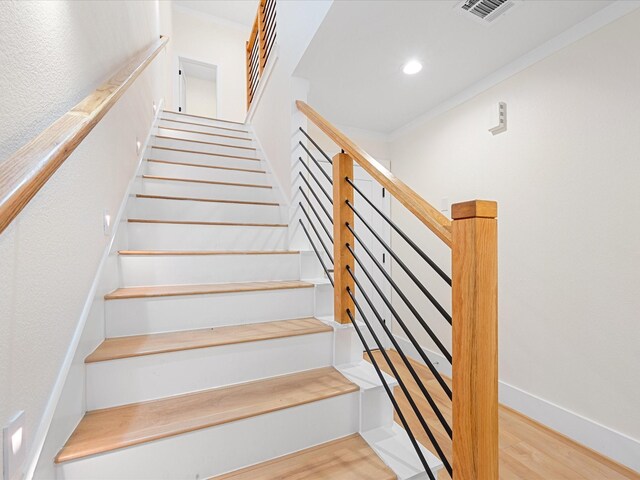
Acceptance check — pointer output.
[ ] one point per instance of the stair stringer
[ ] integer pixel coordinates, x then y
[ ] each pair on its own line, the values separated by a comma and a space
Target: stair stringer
69, 404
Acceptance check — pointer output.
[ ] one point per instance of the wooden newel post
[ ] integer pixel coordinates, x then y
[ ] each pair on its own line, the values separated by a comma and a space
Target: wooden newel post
342, 214
475, 340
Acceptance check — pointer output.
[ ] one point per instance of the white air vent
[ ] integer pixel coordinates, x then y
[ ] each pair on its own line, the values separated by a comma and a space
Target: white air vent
485, 10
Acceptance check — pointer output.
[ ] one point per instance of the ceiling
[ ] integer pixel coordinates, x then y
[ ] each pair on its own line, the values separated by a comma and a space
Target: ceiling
354, 63
238, 11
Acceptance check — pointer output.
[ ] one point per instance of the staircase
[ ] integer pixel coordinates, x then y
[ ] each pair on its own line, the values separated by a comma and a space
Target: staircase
220, 360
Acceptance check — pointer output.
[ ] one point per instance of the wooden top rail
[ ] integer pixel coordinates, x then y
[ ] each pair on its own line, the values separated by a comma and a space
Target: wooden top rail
426, 213
24, 173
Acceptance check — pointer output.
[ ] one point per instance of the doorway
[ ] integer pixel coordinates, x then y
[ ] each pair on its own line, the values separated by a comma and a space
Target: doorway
198, 88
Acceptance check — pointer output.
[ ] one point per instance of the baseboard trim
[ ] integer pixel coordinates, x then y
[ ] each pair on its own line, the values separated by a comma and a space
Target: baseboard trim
608, 442
52, 404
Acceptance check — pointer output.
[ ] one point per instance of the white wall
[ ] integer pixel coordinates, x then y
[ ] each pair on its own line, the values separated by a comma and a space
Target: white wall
201, 96
566, 176
275, 114
46, 69
197, 36
54, 54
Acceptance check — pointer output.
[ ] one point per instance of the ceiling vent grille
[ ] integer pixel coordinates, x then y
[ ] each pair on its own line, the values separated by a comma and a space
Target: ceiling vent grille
486, 10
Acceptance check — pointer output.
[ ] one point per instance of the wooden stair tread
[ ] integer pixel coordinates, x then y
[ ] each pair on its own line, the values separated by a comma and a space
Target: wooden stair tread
202, 289
213, 200
214, 224
171, 149
205, 133
202, 125
166, 137
200, 116
113, 428
210, 182
206, 252
139, 345
204, 165
348, 458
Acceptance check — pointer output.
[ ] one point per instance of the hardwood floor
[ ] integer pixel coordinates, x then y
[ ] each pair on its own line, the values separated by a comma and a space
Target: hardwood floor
528, 450
348, 458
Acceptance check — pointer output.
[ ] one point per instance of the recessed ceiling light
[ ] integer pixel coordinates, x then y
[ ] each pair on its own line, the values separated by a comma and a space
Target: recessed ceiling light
412, 67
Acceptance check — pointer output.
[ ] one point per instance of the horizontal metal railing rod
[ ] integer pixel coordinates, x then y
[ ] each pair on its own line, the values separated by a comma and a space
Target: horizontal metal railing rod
404, 236
324, 266
394, 402
406, 269
404, 298
405, 360
326, 175
315, 212
403, 325
315, 195
315, 179
316, 145
324, 246
403, 387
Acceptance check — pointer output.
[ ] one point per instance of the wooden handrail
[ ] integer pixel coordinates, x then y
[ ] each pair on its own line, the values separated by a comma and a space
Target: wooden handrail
263, 35
24, 173
423, 210
472, 236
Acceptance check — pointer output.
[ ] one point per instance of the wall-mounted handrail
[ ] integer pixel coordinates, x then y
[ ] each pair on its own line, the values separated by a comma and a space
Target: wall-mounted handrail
423, 210
25, 172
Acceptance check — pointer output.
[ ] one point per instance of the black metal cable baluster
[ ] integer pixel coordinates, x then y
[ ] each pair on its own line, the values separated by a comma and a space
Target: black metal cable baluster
316, 232
315, 195
406, 269
404, 236
315, 178
328, 177
316, 145
404, 358
324, 267
404, 327
396, 407
317, 215
404, 298
403, 387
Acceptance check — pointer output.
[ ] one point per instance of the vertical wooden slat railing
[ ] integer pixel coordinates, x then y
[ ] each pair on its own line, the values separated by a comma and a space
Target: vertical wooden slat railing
259, 45
472, 237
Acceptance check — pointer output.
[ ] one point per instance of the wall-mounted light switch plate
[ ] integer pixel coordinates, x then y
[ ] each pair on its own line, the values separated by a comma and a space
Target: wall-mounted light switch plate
13, 448
106, 223
444, 204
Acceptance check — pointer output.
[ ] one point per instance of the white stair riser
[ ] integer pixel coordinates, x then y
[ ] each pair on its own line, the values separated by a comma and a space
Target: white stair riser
162, 236
197, 126
393, 446
222, 148
204, 173
130, 380
166, 209
205, 190
213, 451
141, 270
242, 140
138, 316
203, 121
215, 160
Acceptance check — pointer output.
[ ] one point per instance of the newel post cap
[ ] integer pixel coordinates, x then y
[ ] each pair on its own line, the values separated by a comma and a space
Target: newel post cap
474, 209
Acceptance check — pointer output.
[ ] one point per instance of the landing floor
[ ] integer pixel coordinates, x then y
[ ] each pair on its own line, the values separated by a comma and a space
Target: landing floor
528, 450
